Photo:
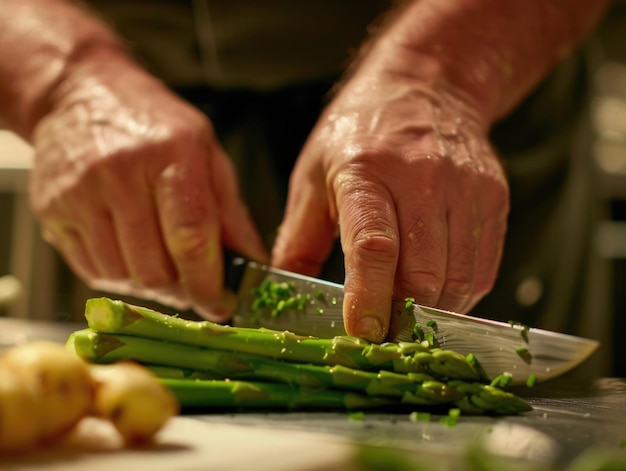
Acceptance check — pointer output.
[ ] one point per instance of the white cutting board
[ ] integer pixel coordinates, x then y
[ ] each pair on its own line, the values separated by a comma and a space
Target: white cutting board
187, 444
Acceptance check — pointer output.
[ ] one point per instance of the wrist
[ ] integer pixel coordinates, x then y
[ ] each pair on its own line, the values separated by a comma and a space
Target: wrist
89, 73
426, 86
485, 54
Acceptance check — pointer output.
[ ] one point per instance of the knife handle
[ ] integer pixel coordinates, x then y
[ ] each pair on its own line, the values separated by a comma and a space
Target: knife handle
234, 268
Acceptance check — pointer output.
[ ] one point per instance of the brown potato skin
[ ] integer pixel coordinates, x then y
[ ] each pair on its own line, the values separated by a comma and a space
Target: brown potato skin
62, 382
131, 398
46, 389
20, 426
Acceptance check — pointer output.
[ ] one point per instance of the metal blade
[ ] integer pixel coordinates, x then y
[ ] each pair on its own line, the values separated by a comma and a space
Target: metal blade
322, 317
497, 345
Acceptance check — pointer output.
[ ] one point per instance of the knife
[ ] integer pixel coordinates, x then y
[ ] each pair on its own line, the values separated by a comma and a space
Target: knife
500, 347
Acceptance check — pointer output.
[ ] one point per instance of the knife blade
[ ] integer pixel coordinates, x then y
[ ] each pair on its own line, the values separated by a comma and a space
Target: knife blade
500, 347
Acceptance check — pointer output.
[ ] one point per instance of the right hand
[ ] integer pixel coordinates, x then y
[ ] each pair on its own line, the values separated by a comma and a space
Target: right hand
132, 187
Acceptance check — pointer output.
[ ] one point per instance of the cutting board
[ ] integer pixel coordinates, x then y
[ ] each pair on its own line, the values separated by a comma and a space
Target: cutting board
188, 444
570, 417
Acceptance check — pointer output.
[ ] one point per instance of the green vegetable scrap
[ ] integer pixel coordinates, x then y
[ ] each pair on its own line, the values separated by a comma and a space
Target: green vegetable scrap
417, 416
472, 360
356, 416
531, 380
524, 354
278, 297
432, 324
431, 340
452, 418
409, 303
523, 329
502, 381
212, 365
418, 333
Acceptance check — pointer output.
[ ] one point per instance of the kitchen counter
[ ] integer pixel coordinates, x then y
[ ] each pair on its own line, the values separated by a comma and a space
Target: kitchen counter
570, 417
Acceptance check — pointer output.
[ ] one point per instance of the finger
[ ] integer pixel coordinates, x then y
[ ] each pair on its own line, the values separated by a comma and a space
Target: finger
307, 233
369, 234
490, 248
173, 297
239, 231
189, 219
463, 236
421, 269
71, 247
423, 226
142, 245
100, 240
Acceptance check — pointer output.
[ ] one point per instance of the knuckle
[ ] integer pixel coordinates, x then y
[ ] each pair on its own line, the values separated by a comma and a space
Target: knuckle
195, 128
463, 259
376, 246
425, 286
188, 242
458, 288
154, 280
484, 285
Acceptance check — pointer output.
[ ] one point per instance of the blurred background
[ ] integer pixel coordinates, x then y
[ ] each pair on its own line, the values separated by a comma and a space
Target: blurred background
35, 283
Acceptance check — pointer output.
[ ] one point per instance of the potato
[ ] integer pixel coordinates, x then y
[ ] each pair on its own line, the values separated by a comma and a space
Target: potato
131, 397
62, 381
20, 426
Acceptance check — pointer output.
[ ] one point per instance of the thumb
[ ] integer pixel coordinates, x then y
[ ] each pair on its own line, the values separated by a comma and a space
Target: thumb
308, 231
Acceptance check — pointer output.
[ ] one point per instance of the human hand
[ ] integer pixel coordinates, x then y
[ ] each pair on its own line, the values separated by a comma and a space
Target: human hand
404, 173
132, 187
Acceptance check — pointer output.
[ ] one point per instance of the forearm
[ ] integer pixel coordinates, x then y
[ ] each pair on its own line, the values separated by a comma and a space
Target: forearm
490, 53
41, 41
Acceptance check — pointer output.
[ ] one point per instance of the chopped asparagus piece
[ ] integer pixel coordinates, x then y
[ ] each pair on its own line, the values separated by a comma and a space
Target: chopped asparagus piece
418, 416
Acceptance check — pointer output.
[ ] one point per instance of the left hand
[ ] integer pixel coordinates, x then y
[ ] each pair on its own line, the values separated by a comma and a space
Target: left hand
406, 176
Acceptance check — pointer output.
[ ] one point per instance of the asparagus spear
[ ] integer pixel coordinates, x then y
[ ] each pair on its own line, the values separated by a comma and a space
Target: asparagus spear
411, 388
238, 393
222, 393
171, 372
110, 316
227, 393
480, 398
198, 362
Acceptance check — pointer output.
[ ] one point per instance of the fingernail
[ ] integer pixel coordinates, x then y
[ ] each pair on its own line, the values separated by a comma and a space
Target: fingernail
370, 328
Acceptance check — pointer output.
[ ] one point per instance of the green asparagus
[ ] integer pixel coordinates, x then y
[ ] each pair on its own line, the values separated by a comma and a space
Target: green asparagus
109, 316
198, 362
217, 393
212, 365
248, 394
